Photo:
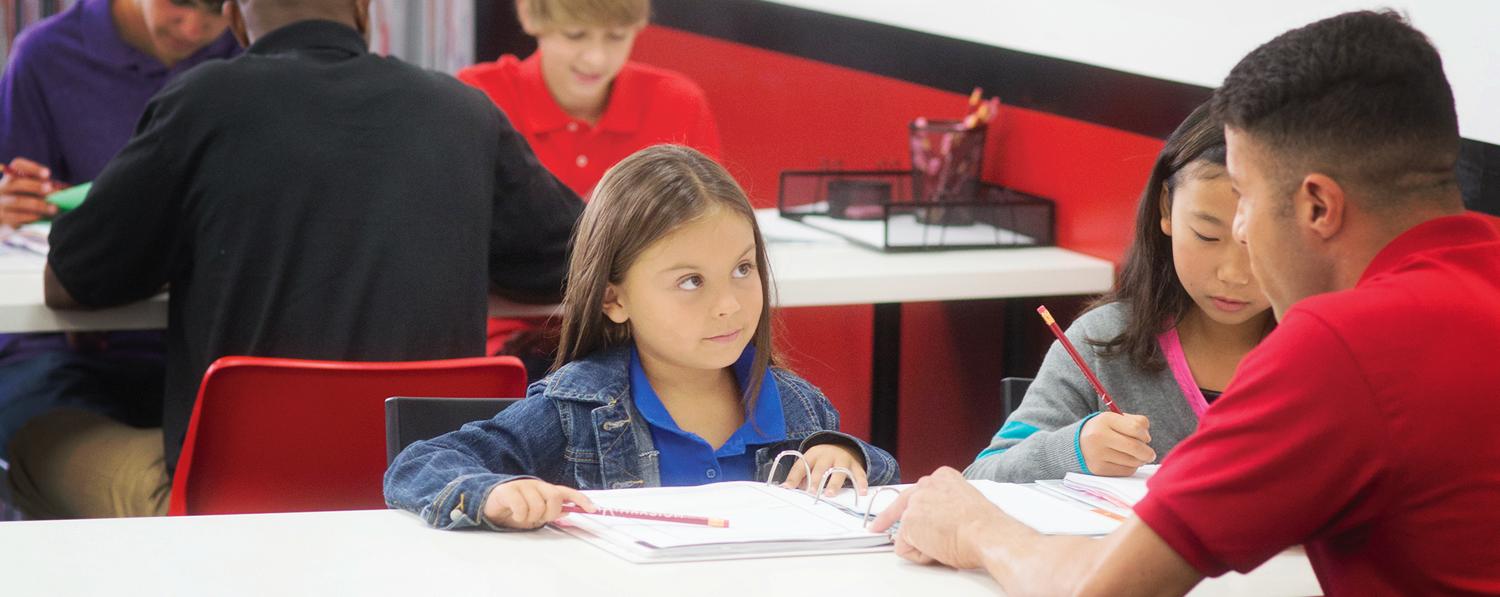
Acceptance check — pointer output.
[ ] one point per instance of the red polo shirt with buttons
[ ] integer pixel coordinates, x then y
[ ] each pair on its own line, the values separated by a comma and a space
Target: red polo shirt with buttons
1366, 427
647, 106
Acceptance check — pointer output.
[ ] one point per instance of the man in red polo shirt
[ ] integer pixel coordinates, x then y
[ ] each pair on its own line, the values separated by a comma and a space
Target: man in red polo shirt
1365, 427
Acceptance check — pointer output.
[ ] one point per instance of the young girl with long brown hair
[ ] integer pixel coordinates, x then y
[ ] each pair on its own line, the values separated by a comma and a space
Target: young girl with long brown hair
665, 372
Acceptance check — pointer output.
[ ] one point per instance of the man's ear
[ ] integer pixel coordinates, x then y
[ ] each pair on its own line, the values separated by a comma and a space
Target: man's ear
614, 309
231, 11
362, 18
1320, 205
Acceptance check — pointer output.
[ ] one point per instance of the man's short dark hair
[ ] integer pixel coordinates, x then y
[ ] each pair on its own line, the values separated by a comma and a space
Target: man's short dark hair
1360, 96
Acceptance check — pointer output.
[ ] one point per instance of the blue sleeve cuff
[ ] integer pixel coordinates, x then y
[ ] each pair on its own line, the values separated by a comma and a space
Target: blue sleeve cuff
1078, 442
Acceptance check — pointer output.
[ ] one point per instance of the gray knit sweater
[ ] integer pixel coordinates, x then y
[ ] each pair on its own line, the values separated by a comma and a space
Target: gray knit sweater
1040, 439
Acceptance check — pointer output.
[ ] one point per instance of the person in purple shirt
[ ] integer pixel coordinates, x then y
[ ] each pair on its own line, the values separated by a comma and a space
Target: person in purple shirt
70, 97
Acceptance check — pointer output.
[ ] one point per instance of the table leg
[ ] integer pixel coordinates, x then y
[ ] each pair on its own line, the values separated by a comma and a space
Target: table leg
1014, 339
885, 380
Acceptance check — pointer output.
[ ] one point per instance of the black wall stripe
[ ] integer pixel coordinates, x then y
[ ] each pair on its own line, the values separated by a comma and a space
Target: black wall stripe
1117, 99
1125, 101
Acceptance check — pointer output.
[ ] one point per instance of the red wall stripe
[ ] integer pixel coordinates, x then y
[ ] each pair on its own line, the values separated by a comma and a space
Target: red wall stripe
778, 112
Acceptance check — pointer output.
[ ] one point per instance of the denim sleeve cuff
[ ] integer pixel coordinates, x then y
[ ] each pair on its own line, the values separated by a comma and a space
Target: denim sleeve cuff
880, 468
461, 503
838, 439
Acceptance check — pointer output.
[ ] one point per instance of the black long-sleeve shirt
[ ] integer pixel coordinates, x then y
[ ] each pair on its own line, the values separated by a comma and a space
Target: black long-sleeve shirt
309, 199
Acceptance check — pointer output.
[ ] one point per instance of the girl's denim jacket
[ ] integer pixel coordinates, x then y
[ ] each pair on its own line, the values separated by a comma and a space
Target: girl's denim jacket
579, 427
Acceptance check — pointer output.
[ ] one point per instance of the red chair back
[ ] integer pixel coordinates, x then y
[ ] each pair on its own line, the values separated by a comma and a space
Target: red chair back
288, 435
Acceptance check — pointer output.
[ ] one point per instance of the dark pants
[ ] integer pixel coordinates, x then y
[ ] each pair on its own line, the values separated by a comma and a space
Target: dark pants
125, 388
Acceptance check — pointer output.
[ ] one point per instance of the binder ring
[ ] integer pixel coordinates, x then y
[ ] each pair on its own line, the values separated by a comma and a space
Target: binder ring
776, 462
871, 506
823, 485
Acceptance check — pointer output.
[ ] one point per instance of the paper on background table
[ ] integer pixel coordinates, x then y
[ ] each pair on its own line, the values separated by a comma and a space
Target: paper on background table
24, 249
906, 231
776, 229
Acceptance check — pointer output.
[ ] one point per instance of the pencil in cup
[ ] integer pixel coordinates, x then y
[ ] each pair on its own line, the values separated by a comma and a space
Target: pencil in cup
618, 513
1078, 359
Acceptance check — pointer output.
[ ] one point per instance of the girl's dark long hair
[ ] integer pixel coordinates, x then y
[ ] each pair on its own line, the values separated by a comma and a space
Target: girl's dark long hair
1154, 298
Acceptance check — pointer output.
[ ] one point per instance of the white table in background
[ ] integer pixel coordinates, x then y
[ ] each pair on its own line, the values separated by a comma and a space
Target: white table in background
388, 552
810, 268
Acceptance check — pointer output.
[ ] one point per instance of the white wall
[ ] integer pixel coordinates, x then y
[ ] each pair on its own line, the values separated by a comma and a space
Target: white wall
1197, 41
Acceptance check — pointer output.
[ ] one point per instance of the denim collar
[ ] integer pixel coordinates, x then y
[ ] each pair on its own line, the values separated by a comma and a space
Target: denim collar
579, 381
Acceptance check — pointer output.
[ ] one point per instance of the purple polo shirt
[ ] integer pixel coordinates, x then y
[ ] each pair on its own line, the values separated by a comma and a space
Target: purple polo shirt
69, 99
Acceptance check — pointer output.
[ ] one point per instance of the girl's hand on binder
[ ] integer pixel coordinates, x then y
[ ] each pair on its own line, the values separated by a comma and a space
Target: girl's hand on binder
529, 503
1114, 445
826, 456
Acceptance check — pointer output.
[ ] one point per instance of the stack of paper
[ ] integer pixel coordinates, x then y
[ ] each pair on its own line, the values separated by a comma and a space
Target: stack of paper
769, 521
1122, 492
764, 521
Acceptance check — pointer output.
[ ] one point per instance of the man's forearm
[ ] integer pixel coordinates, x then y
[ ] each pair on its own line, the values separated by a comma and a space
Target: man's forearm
1026, 562
1133, 560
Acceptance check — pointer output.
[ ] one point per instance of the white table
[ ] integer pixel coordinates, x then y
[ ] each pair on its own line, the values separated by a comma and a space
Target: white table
816, 270
810, 268
387, 552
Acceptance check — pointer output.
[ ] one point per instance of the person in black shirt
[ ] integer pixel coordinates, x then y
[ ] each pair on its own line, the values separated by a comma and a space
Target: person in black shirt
307, 199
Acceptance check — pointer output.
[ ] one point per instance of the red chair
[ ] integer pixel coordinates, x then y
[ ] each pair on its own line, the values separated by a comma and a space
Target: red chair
287, 435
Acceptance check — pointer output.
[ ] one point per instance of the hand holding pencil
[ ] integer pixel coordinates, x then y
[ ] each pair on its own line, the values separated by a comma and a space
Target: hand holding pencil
1112, 443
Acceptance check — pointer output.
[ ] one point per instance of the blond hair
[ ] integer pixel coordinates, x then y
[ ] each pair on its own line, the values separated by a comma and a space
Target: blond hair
645, 197
605, 13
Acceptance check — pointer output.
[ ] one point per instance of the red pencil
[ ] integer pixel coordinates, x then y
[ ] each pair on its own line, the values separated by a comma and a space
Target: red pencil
1073, 352
684, 519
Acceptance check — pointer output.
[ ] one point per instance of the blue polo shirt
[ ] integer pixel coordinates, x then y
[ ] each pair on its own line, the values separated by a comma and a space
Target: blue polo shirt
687, 459
70, 98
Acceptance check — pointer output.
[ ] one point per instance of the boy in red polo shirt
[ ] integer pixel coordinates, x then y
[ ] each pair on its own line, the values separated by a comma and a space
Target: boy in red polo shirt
1365, 427
583, 106
580, 102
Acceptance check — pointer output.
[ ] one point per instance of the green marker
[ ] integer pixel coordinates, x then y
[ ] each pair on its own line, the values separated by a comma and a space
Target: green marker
70, 198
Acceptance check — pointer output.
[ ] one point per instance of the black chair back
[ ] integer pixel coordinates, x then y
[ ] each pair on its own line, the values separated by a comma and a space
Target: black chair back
411, 419
1012, 390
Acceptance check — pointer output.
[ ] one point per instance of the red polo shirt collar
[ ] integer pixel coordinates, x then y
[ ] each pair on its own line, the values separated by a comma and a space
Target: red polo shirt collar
622, 114
1437, 233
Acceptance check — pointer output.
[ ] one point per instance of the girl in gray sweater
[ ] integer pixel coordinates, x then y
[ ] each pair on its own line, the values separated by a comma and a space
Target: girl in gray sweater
1164, 343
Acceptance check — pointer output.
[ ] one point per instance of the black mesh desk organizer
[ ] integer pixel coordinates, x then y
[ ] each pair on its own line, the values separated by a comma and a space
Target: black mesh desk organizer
878, 209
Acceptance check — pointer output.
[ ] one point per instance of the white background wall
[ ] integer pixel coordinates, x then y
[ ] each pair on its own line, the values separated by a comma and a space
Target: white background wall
1197, 41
